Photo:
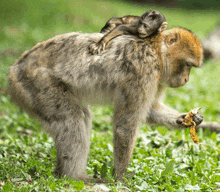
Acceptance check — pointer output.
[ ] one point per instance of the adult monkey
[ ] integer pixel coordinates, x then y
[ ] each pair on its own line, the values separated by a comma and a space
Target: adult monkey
57, 79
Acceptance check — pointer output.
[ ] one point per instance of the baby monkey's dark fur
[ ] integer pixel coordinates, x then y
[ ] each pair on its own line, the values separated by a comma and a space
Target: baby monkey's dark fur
150, 23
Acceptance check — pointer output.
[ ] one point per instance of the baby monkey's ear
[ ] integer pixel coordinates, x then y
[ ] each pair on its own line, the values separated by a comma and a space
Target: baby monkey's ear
152, 13
163, 27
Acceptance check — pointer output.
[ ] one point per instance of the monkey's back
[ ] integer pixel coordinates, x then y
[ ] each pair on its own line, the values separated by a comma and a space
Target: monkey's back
62, 67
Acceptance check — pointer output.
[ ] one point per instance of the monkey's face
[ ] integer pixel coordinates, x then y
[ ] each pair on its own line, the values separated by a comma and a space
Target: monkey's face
150, 22
180, 70
181, 50
145, 29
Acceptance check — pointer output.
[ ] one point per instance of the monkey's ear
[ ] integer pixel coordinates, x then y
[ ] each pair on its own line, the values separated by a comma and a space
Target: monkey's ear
154, 12
172, 39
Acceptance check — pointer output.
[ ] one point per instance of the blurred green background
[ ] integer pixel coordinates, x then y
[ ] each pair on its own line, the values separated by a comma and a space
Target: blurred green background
36, 20
187, 4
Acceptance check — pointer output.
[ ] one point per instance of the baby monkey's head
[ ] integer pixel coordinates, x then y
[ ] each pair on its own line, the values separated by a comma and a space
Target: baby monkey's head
150, 23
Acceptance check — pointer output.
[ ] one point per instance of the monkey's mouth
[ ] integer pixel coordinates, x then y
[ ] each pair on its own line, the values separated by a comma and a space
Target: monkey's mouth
141, 35
177, 85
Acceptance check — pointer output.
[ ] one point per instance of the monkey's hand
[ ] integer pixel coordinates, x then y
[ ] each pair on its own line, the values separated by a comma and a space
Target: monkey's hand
188, 121
163, 27
97, 48
197, 118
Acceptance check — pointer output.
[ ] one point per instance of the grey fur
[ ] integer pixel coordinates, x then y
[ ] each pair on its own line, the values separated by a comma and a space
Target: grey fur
58, 79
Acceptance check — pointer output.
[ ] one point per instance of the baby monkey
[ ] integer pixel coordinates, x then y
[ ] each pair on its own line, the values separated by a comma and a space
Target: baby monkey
149, 24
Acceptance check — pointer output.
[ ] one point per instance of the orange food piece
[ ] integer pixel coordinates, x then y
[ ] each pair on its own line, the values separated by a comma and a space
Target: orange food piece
188, 122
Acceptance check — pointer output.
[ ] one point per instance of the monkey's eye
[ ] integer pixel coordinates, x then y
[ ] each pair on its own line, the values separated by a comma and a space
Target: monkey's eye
188, 64
140, 22
145, 25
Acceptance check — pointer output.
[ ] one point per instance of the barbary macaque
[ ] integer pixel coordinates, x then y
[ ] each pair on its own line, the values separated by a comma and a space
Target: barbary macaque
211, 45
58, 79
150, 23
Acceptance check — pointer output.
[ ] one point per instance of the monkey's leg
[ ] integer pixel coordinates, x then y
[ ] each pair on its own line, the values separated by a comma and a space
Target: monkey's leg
111, 24
117, 31
49, 99
72, 143
126, 127
115, 21
212, 126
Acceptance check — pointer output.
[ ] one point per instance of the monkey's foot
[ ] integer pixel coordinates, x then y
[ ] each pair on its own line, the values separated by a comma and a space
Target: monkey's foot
89, 179
97, 48
213, 126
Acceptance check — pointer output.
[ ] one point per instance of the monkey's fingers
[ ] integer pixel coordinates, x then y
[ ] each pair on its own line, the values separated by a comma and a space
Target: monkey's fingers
193, 134
198, 118
92, 48
95, 48
101, 47
163, 27
188, 120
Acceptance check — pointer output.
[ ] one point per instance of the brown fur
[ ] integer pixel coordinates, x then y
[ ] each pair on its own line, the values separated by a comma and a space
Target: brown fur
57, 79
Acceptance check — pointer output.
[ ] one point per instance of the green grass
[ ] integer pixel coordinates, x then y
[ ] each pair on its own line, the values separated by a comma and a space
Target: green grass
163, 159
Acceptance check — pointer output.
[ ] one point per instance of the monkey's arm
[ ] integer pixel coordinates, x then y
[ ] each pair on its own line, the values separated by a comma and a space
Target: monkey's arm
161, 114
130, 28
